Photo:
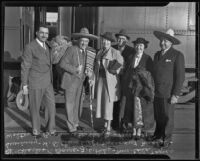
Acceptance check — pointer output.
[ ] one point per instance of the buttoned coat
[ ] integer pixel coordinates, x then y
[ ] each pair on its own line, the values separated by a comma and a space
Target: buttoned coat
113, 83
168, 73
69, 63
36, 67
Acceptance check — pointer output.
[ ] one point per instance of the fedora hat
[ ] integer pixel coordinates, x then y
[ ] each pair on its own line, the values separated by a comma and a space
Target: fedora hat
141, 41
109, 36
122, 32
169, 35
84, 33
22, 101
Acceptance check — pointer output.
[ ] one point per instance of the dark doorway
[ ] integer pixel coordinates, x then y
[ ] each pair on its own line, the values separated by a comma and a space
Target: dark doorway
85, 17
48, 16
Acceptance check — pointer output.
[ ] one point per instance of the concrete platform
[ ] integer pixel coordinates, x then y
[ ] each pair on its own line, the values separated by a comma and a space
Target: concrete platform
18, 122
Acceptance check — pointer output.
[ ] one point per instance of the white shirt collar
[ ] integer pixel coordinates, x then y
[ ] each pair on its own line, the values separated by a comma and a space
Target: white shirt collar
138, 55
41, 44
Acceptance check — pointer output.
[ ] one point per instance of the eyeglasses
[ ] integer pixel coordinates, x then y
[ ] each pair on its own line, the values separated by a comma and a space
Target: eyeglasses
44, 33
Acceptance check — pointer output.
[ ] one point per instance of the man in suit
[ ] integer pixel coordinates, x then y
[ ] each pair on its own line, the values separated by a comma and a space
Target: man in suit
169, 73
74, 65
126, 51
36, 77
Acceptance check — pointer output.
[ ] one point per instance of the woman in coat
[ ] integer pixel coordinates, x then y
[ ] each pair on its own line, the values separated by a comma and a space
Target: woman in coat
108, 65
136, 110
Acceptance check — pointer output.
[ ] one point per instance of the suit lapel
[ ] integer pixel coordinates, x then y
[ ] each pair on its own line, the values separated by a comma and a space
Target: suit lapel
43, 53
162, 57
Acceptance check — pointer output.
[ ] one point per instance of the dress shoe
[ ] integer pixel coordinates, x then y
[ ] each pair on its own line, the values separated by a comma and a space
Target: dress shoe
162, 143
52, 133
80, 128
106, 133
153, 138
36, 134
73, 133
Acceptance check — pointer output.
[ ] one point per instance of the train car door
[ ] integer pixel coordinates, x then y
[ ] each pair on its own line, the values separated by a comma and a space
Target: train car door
85, 17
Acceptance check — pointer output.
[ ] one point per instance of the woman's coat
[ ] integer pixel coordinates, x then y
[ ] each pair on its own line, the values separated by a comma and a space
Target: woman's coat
112, 80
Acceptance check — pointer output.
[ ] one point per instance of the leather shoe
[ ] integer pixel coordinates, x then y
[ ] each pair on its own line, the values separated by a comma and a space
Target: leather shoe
73, 133
53, 133
164, 143
36, 133
80, 128
37, 136
153, 138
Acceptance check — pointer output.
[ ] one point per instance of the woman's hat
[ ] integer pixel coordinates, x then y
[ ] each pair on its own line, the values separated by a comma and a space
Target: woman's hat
122, 32
84, 33
141, 41
22, 101
109, 36
169, 35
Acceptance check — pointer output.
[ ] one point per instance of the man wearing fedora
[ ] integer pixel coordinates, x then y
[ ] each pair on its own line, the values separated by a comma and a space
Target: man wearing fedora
36, 77
74, 65
126, 51
169, 73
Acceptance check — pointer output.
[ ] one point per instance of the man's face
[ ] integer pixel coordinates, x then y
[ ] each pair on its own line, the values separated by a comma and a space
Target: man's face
122, 40
42, 34
165, 44
106, 43
139, 47
83, 43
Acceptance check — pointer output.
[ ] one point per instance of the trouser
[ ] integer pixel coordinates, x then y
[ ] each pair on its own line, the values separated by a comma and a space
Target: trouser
116, 110
164, 117
73, 105
46, 97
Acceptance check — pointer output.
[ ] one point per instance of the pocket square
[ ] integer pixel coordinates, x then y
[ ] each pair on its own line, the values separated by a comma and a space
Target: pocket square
167, 60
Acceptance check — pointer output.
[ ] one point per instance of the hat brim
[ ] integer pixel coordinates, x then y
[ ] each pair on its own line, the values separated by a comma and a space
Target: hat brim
117, 35
141, 42
81, 35
108, 38
19, 98
161, 35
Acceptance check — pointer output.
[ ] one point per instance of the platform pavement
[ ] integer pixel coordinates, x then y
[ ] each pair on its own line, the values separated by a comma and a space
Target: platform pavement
183, 137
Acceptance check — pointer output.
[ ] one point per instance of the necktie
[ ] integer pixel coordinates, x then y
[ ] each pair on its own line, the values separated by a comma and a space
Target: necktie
44, 46
161, 54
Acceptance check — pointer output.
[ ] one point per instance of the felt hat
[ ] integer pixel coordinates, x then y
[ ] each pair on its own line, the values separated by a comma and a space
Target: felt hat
84, 33
141, 41
122, 32
169, 35
22, 101
109, 36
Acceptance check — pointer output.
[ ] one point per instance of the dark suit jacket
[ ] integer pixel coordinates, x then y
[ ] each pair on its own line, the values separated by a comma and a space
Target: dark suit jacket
127, 52
36, 66
169, 73
69, 63
145, 62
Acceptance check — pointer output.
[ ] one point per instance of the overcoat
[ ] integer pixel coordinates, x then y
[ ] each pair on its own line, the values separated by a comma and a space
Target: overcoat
112, 80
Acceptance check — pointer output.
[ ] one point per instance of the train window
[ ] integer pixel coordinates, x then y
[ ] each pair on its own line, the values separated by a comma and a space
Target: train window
51, 17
